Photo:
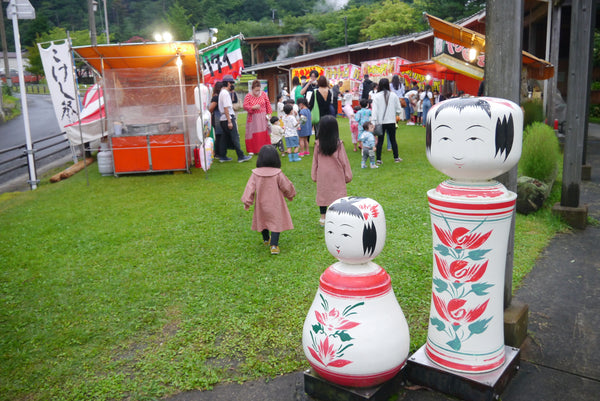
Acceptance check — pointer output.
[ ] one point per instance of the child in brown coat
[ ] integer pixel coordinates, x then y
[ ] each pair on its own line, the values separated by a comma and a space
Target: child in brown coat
267, 189
331, 168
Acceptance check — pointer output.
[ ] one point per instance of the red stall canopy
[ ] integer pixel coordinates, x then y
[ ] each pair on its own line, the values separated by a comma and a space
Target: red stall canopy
419, 70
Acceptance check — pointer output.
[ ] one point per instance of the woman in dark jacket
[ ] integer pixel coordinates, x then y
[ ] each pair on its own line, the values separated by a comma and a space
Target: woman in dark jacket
322, 96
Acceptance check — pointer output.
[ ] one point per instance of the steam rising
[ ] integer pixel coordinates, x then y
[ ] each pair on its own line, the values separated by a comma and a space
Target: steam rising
285, 49
331, 5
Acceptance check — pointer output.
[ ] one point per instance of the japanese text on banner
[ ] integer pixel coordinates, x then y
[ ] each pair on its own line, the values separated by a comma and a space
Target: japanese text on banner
58, 68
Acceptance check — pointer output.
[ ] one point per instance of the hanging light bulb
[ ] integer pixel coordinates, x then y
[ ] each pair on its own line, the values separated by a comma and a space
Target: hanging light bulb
472, 54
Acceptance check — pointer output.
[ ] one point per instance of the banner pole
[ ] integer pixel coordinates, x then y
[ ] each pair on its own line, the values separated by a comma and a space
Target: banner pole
74, 77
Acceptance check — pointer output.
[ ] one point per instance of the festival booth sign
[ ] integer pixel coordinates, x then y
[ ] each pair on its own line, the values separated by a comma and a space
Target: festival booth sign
147, 89
381, 68
460, 36
305, 71
377, 69
349, 74
342, 72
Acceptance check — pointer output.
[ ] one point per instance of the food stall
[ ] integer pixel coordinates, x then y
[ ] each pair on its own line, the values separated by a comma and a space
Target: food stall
148, 89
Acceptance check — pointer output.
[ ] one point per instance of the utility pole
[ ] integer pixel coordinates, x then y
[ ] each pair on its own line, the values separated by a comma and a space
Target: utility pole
6, 65
346, 31
106, 23
4, 45
92, 21
4, 51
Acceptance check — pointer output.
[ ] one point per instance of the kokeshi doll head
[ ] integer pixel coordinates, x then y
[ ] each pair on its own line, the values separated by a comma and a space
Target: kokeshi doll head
355, 229
474, 139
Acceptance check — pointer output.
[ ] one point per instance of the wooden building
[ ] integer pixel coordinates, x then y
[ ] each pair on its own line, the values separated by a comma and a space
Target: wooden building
413, 47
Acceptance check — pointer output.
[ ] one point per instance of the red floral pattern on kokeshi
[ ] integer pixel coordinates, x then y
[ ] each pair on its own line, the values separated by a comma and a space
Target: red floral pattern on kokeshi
470, 225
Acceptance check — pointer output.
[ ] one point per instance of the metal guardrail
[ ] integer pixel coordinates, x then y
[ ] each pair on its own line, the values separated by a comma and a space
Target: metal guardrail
16, 156
32, 88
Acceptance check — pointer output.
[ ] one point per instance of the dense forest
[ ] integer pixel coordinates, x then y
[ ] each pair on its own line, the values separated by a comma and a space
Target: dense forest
331, 22
324, 19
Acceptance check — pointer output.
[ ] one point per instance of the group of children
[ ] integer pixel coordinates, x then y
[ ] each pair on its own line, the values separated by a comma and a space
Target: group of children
268, 187
292, 124
362, 129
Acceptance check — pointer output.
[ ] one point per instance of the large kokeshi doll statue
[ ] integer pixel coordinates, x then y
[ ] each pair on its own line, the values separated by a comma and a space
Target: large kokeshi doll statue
471, 140
355, 333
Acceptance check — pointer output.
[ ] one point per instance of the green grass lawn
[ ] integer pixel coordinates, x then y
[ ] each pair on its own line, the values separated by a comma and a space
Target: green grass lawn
147, 285
12, 107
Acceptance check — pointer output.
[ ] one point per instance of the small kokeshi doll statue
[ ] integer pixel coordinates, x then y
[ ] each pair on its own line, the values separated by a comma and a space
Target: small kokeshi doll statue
472, 140
355, 333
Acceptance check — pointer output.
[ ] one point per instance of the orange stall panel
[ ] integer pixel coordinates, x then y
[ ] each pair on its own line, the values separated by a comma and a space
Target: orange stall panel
168, 152
130, 153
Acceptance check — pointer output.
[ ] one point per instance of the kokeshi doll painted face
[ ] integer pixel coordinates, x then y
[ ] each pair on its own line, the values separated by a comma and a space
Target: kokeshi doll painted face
355, 229
474, 139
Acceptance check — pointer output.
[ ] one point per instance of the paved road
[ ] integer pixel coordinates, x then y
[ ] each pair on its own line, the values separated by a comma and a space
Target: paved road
42, 123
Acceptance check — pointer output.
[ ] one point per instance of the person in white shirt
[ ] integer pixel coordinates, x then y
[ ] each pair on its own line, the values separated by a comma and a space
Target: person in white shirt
228, 122
386, 106
412, 97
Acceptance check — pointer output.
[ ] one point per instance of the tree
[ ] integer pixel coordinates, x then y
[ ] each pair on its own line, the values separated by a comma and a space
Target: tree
391, 19
177, 19
334, 36
449, 10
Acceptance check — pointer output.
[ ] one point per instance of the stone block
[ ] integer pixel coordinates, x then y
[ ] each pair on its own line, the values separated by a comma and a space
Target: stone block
516, 319
576, 217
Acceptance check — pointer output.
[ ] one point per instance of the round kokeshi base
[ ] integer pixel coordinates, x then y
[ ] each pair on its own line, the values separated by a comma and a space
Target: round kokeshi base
355, 333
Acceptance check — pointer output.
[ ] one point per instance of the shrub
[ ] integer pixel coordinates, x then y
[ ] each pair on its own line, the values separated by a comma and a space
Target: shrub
540, 152
534, 111
594, 111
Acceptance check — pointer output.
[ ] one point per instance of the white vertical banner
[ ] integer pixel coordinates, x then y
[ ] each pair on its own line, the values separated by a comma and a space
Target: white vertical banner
58, 68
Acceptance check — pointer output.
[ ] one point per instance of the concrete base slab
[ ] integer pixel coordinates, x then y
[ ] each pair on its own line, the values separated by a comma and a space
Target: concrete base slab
576, 217
469, 387
323, 390
516, 319
586, 172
